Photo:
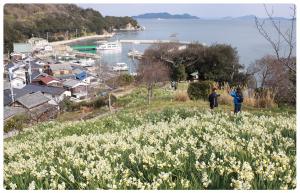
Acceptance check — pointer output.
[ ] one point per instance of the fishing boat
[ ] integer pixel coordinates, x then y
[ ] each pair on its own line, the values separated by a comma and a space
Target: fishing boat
120, 66
135, 53
109, 46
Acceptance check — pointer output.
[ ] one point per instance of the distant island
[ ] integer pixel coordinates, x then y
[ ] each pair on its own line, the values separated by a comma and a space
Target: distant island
251, 17
165, 15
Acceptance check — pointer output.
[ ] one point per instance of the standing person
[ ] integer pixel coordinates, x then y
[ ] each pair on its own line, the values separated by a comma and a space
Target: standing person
213, 99
237, 99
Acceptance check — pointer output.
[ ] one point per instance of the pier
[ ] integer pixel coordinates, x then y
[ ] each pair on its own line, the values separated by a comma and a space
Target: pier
153, 41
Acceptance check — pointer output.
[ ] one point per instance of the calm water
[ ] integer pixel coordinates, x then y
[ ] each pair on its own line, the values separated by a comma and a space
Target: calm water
241, 34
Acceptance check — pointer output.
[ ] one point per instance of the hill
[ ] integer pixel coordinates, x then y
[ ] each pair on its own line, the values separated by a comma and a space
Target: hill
61, 21
165, 145
165, 15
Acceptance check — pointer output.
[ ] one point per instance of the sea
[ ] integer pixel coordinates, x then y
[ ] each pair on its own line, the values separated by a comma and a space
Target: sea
241, 34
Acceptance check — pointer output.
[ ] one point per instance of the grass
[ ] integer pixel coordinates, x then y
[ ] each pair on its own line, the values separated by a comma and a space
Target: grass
164, 97
164, 145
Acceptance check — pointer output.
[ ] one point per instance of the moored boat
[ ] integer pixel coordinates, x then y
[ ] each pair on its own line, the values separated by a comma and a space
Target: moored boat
120, 66
109, 46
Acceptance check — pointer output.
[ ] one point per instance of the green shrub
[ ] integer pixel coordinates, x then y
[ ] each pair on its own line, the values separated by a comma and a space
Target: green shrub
125, 80
200, 90
17, 122
68, 105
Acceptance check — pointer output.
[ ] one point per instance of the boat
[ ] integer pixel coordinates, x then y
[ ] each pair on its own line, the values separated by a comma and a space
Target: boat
87, 62
120, 66
109, 46
83, 62
135, 53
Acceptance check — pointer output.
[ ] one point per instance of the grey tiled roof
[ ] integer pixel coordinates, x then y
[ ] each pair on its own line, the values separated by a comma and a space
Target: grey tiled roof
32, 100
71, 83
12, 111
66, 76
55, 67
17, 93
44, 89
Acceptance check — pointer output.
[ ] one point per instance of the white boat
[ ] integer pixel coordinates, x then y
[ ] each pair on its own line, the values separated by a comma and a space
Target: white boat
109, 46
87, 62
135, 53
120, 66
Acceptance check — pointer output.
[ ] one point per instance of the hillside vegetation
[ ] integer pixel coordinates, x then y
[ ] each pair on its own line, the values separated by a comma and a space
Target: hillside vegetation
164, 145
21, 21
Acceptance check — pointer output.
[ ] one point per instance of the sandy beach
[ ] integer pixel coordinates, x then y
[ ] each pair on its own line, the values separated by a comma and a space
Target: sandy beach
82, 38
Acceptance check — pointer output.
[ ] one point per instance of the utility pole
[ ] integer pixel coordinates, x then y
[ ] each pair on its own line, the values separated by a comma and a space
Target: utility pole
11, 88
29, 69
47, 36
76, 33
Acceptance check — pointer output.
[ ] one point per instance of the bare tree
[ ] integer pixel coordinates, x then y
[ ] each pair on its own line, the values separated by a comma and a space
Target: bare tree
263, 68
152, 72
283, 37
272, 74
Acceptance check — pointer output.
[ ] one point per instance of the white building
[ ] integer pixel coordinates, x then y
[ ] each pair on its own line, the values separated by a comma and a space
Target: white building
38, 43
18, 83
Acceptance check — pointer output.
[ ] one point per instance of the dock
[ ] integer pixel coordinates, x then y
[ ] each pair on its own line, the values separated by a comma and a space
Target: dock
153, 41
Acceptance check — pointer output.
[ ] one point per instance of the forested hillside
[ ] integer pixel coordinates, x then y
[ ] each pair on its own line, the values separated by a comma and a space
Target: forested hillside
61, 21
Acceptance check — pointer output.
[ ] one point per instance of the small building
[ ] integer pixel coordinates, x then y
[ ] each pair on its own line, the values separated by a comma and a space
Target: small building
17, 56
54, 93
20, 76
47, 81
18, 83
84, 76
38, 43
60, 69
195, 75
22, 48
38, 106
77, 88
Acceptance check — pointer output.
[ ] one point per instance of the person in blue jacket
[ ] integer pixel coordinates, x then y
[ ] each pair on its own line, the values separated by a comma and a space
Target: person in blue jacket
237, 99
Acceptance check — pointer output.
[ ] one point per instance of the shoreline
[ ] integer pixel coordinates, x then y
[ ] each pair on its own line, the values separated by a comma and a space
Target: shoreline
81, 38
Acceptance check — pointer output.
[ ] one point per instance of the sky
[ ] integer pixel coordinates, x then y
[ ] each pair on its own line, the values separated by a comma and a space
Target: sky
200, 10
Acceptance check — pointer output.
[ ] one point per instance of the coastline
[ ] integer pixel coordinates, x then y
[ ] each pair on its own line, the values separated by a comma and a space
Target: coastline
81, 38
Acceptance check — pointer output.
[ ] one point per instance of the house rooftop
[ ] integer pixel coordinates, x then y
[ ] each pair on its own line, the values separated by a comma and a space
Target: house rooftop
44, 89
64, 66
47, 79
31, 100
17, 93
71, 83
12, 111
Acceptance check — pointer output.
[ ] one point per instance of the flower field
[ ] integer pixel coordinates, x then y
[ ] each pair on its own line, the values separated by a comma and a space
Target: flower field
171, 149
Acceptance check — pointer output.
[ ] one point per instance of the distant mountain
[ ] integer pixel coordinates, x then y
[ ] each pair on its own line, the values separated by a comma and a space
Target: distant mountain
165, 15
251, 17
